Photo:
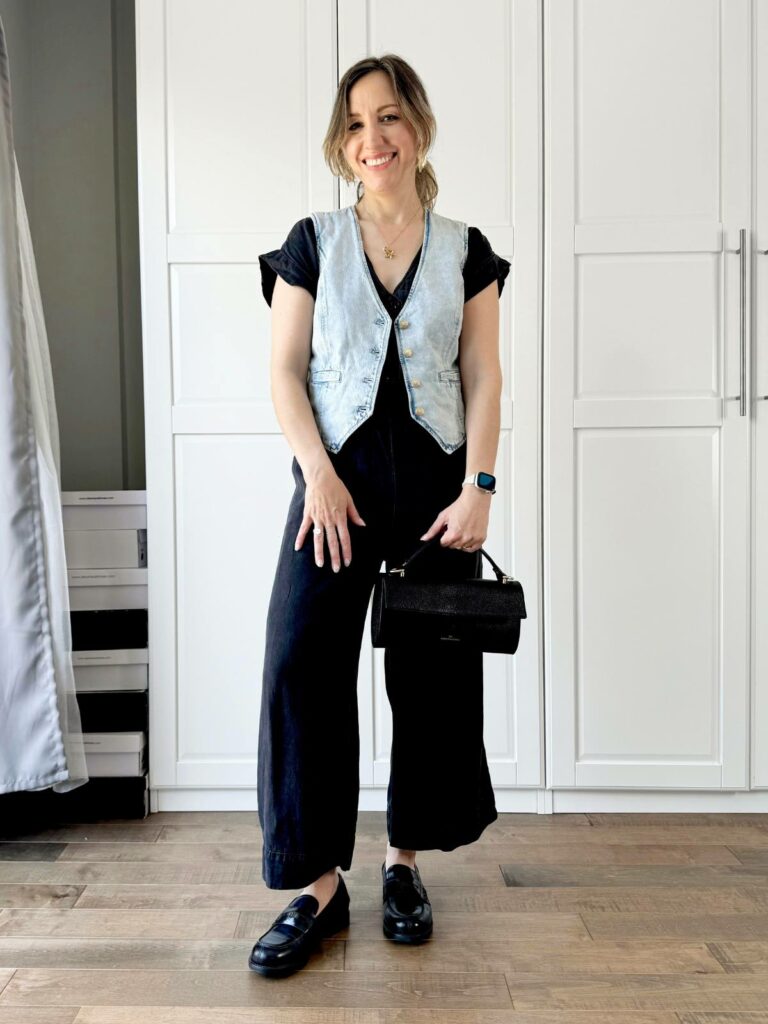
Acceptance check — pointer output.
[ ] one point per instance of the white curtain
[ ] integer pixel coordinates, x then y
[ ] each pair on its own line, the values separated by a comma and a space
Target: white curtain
41, 739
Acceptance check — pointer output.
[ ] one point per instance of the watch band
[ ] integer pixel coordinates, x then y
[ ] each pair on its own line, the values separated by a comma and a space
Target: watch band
471, 478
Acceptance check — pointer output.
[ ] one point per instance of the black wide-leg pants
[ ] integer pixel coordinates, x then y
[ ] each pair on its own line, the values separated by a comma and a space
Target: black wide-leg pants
440, 794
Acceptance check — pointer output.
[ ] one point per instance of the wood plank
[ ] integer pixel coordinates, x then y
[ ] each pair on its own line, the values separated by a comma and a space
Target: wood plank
308, 987
610, 875
38, 1014
468, 858
703, 926
685, 819
741, 957
724, 1018
366, 925
752, 856
211, 872
528, 955
608, 992
126, 924
148, 954
90, 832
31, 851
496, 833
315, 1015
21, 894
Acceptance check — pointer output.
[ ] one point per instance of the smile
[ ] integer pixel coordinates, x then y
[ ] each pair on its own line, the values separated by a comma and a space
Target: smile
383, 161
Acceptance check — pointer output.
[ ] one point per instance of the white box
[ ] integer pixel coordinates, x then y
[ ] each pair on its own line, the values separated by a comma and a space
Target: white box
105, 549
114, 753
104, 510
97, 671
97, 589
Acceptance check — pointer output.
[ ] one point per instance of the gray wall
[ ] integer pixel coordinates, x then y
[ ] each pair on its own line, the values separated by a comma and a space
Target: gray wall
74, 112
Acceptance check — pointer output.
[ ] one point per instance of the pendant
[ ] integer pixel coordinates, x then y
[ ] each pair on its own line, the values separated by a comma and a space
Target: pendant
389, 254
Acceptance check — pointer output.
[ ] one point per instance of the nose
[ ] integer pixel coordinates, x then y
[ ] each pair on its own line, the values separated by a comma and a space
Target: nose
374, 140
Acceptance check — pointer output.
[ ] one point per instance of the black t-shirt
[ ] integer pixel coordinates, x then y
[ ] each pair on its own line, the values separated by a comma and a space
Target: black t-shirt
297, 263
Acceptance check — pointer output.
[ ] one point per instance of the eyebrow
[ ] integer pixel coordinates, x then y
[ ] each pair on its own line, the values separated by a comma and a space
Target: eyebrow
377, 109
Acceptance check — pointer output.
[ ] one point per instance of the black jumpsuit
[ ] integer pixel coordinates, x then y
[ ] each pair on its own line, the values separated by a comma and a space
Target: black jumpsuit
440, 794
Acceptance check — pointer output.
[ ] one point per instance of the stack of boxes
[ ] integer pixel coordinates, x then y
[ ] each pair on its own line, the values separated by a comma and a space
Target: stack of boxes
105, 539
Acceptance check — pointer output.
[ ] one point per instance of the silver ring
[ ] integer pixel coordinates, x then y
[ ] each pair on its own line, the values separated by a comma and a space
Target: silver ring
317, 529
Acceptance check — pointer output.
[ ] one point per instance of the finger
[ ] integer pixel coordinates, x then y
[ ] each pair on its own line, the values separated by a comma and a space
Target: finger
431, 531
333, 546
355, 516
306, 522
319, 539
346, 542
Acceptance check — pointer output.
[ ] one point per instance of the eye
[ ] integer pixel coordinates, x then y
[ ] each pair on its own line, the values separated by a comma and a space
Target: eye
356, 123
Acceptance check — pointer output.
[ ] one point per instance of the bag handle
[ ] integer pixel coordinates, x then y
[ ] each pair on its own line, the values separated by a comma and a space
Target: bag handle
501, 576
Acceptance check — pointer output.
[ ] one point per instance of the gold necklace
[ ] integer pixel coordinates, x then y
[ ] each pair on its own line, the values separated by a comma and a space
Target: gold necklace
389, 252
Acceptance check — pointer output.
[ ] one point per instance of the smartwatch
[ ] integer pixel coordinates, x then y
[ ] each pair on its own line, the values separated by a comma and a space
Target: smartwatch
485, 481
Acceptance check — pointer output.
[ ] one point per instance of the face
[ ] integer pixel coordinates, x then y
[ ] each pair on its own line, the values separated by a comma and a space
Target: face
376, 129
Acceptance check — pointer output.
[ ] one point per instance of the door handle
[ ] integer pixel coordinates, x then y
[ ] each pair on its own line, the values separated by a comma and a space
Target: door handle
762, 398
742, 395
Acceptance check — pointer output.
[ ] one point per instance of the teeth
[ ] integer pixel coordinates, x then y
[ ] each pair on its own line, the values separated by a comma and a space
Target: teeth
381, 160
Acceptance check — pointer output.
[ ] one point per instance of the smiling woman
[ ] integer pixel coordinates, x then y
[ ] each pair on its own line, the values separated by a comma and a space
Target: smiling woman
385, 328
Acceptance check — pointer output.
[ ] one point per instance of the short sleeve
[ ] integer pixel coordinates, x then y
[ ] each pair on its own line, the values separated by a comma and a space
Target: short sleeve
295, 261
482, 265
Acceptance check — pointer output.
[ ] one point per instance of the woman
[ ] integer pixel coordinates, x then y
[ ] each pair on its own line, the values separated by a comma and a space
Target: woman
390, 418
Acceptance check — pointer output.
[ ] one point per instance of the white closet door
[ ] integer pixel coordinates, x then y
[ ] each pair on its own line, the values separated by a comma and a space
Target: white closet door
760, 390
647, 166
484, 87
232, 107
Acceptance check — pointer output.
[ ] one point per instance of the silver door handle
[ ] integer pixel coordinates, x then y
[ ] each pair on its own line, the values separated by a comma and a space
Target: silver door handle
762, 398
742, 251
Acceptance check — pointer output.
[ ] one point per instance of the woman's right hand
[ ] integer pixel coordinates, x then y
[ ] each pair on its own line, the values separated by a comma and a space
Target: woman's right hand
327, 503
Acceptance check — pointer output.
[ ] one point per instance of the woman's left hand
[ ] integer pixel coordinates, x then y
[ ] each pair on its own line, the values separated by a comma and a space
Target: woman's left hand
466, 520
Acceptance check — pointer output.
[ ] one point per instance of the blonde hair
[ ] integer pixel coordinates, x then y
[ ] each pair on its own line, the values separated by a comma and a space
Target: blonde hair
412, 98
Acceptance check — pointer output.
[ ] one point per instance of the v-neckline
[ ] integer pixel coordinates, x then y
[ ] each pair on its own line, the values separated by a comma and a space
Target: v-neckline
369, 266
377, 279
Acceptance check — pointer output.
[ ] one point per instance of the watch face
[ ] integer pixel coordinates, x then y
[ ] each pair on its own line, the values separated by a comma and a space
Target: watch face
486, 480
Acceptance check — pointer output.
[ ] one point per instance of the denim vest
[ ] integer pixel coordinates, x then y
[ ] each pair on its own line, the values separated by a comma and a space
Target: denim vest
351, 330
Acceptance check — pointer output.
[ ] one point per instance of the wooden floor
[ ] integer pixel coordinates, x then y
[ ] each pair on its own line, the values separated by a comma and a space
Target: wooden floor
593, 918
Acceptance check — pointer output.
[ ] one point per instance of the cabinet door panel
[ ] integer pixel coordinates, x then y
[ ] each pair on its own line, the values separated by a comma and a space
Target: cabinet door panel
646, 459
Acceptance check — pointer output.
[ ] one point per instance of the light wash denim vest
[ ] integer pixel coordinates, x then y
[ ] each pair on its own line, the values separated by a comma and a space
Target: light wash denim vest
351, 331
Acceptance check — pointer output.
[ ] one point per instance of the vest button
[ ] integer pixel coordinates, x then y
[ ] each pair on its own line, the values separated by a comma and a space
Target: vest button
419, 411
416, 383
407, 352
403, 323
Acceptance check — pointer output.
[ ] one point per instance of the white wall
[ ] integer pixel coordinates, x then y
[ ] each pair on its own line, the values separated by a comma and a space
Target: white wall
73, 87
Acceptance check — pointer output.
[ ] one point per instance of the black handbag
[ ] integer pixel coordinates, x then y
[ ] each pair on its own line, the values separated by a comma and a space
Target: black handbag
482, 614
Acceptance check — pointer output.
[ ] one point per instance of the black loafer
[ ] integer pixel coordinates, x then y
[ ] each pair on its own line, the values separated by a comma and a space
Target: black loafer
407, 910
296, 932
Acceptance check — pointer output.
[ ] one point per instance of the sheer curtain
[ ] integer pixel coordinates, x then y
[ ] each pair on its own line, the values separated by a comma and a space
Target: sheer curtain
41, 739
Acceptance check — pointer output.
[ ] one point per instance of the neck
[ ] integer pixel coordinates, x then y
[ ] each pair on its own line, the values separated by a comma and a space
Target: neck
389, 209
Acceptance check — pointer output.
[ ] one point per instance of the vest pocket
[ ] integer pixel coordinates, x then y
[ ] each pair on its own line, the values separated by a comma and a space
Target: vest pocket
449, 376
326, 376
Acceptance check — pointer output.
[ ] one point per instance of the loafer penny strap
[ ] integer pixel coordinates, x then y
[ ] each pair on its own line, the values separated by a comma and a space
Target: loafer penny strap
292, 923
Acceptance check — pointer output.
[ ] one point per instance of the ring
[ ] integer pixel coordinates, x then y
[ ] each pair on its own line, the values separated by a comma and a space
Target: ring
317, 529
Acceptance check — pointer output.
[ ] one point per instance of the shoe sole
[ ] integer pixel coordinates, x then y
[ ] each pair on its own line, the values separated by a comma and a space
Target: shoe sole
325, 929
